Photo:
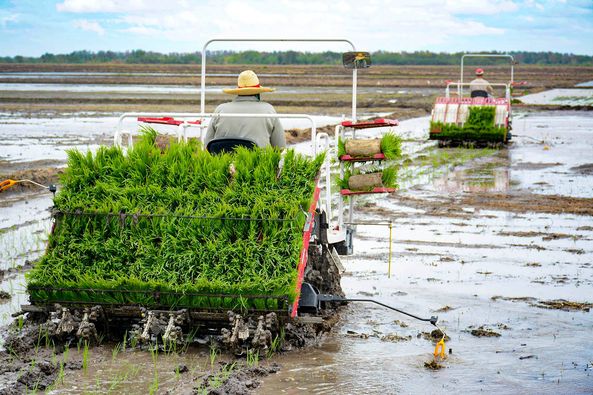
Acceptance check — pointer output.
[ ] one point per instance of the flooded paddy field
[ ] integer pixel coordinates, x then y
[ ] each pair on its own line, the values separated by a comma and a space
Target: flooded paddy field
497, 243
409, 91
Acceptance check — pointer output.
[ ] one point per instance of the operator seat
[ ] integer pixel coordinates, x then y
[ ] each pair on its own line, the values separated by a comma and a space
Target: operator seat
218, 146
479, 93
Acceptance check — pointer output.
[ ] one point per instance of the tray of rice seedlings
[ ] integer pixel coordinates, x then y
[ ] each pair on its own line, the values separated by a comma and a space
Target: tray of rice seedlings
479, 127
177, 228
388, 147
366, 181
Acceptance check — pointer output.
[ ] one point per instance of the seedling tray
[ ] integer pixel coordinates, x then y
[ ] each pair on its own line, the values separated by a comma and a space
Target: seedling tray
348, 192
349, 158
377, 123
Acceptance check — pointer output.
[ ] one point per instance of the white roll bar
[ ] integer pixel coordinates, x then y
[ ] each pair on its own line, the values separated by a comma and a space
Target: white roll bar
479, 55
203, 74
117, 137
460, 92
328, 194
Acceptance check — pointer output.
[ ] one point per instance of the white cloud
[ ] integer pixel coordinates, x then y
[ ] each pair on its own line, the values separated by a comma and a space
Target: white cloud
480, 7
376, 24
120, 6
89, 26
7, 19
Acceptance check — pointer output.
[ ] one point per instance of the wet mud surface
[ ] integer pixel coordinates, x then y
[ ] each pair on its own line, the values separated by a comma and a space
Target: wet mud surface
499, 242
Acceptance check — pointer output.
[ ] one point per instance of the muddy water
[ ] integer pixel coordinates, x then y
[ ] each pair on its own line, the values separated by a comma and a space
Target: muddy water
570, 97
138, 371
24, 227
190, 89
468, 262
33, 139
467, 265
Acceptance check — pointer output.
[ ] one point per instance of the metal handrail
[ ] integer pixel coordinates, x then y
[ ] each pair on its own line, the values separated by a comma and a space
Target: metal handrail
203, 72
328, 206
460, 91
477, 55
117, 137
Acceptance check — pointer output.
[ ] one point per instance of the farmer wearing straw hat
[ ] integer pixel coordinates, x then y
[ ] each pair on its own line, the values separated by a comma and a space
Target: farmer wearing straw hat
480, 87
262, 131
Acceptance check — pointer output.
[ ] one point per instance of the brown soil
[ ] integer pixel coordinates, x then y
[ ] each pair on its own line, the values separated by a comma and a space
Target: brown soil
4, 296
583, 169
543, 235
514, 299
233, 380
408, 104
561, 304
395, 338
43, 176
484, 332
556, 304
433, 365
527, 202
28, 366
434, 336
444, 309
534, 166
537, 77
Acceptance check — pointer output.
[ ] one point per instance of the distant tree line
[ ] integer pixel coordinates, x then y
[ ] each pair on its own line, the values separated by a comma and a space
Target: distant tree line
291, 57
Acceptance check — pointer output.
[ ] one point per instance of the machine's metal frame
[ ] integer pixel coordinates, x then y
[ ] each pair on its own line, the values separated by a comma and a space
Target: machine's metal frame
327, 40
479, 55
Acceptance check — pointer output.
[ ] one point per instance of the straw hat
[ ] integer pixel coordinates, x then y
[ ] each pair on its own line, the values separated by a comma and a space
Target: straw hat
247, 84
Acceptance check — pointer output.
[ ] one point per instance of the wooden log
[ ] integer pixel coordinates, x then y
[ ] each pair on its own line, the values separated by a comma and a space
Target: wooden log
366, 147
363, 182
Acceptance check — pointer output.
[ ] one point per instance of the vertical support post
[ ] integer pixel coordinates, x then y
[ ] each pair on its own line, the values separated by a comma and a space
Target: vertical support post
351, 209
461, 78
354, 89
338, 134
390, 248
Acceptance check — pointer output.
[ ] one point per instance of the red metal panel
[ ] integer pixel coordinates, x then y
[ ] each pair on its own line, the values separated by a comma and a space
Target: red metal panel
371, 124
349, 158
347, 192
305, 252
166, 121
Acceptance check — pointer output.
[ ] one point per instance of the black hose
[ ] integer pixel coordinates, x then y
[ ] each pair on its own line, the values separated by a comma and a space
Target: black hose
331, 298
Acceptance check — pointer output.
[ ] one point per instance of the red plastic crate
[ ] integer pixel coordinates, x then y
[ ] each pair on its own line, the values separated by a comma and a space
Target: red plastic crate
377, 123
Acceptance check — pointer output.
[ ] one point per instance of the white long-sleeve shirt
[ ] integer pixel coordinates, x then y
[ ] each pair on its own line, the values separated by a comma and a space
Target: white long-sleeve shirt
262, 131
480, 84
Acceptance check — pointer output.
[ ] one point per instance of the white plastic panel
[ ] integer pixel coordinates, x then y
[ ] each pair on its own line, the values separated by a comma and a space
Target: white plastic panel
451, 116
439, 113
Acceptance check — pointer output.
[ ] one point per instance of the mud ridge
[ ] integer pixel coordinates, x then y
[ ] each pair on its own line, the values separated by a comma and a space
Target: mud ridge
231, 379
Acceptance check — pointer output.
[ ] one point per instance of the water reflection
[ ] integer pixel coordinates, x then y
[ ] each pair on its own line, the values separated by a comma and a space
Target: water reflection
490, 176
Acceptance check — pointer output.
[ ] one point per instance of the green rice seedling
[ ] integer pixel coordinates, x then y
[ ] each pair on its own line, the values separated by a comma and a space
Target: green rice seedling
60, 378
154, 386
115, 351
213, 355
274, 346
252, 358
177, 221
388, 176
341, 147
85, 356
20, 323
391, 146
478, 127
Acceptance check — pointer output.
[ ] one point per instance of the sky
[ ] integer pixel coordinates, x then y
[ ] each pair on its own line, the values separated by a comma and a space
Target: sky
35, 27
